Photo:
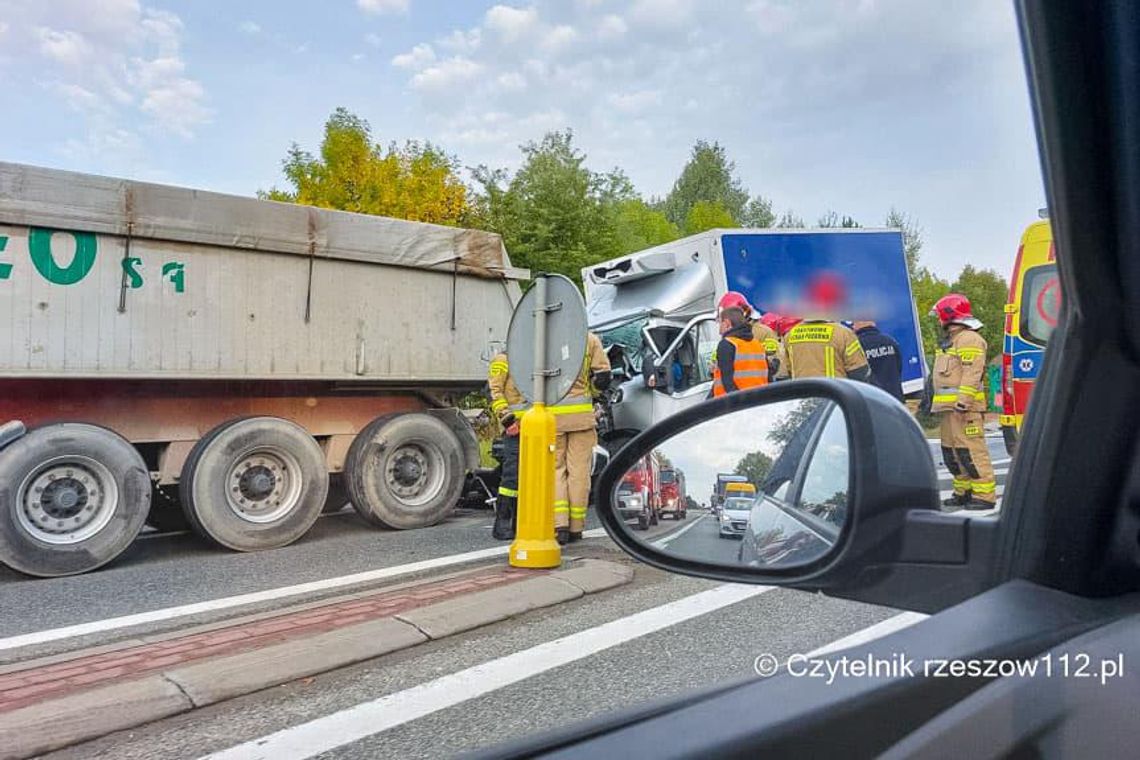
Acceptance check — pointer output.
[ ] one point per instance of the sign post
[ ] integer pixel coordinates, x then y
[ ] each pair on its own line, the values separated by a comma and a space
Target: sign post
545, 344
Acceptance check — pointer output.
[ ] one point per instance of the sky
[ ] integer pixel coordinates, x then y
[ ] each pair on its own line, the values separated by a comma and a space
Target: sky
853, 105
717, 445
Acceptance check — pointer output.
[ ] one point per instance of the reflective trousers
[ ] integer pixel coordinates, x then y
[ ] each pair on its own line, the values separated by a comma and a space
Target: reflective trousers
573, 457
966, 455
506, 504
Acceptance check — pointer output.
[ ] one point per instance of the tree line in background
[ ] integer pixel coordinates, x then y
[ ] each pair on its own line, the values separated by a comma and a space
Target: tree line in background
557, 215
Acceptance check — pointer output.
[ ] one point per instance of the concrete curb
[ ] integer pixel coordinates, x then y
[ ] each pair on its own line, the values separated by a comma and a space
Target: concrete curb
73, 718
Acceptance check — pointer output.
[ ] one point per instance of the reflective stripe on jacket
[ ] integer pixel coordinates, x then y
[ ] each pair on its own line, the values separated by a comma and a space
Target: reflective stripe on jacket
959, 369
749, 366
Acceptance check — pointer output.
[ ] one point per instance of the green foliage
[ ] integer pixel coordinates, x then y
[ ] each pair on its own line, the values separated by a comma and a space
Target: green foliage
758, 213
638, 226
755, 466
987, 292
927, 288
832, 219
707, 215
708, 176
912, 237
786, 427
790, 220
416, 181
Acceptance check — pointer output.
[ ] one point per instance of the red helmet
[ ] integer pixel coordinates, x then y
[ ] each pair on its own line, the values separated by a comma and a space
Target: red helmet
826, 290
734, 300
953, 307
787, 323
771, 319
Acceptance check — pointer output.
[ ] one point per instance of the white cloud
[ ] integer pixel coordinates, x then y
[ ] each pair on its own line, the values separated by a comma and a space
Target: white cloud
250, 27
511, 81
66, 47
511, 24
416, 58
634, 102
382, 6
612, 27
372, 39
121, 68
670, 14
358, 57
302, 48
558, 38
446, 75
462, 42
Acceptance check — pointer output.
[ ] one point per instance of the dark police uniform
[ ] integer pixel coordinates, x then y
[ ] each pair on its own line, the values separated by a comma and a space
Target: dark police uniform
885, 358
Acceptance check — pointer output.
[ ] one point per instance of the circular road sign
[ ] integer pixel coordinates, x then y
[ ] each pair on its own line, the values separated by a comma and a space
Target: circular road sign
565, 339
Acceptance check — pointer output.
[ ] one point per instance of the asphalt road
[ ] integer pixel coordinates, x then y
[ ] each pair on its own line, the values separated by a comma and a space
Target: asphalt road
709, 649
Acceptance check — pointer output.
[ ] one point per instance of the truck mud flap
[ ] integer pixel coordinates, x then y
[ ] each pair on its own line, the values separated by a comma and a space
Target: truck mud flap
10, 431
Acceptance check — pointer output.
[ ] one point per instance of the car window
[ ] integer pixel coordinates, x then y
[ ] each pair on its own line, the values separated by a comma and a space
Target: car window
824, 490
1040, 303
629, 337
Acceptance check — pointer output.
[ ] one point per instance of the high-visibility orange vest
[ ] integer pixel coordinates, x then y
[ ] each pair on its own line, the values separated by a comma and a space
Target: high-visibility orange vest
749, 369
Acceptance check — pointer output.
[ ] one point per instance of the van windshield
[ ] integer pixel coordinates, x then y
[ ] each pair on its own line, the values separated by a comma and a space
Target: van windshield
628, 336
1040, 303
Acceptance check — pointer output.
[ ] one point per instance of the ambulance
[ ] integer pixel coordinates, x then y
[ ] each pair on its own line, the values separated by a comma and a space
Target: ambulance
1030, 316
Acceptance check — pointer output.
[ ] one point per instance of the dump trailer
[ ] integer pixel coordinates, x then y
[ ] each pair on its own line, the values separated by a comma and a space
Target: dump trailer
171, 356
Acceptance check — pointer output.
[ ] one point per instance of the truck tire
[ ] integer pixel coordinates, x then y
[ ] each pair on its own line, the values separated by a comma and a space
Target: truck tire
338, 494
254, 483
405, 471
642, 522
73, 496
166, 513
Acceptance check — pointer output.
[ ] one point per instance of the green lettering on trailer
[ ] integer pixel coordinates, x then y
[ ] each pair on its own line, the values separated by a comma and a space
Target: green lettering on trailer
129, 264
174, 271
5, 269
39, 248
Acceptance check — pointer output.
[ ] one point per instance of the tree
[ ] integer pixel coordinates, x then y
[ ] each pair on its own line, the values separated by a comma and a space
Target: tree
912, 237
832, 219
637, 226
786, 427
987, 292
707, 215
416, 181
552, 213
927, 288
708, 176
789, 220
758, 213
754, 466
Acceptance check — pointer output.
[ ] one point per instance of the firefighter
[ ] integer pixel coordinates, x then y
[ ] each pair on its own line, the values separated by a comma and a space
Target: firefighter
508, 404
741, 359
773, 321
820, 347
575, 441
763, 331
959, 367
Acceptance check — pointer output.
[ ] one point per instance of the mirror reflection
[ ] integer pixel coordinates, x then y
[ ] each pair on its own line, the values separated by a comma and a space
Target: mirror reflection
765, 486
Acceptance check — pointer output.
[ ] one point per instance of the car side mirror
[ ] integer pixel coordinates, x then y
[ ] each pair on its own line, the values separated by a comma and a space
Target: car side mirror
826, 485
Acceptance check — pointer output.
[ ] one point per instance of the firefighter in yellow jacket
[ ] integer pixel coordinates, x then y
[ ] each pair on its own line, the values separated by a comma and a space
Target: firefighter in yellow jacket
958, 396
574, 443
508, 404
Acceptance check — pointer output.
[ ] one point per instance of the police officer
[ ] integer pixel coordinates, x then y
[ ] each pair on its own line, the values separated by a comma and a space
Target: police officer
883, 356
508, 404
574, 443
959, 366
741, 359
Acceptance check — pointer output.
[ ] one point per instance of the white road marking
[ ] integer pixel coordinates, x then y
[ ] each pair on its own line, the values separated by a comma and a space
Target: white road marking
876, 631
660, 543
368, 718
240, 600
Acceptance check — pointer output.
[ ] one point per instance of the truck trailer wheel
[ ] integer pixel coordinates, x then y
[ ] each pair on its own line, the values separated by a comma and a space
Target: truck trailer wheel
73, 496
405, 471
254, 483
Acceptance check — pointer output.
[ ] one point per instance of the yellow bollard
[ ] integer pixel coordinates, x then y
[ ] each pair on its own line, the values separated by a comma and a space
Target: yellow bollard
534, 544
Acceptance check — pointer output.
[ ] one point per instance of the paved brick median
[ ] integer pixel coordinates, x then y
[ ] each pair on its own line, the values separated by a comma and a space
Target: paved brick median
24, 687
